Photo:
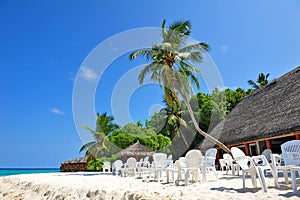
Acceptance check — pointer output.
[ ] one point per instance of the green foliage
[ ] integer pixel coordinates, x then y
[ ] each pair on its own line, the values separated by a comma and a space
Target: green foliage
158, 122
261, 81
132, 128
147, 136
100, 145
94, 165
122, 140
111, 159
234, 97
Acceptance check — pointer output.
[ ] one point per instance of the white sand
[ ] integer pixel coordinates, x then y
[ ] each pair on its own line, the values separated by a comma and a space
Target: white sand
100, 186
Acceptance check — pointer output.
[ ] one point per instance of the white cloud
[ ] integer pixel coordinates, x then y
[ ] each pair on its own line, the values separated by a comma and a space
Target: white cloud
71, 76
224, 48
88, 74
57, 111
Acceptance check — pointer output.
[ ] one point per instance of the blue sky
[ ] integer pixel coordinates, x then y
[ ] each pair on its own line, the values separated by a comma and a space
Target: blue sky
44, 43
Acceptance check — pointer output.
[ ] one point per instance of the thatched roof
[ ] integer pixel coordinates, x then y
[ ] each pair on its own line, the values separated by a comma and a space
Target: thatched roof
136, 149
269, 111
75, 161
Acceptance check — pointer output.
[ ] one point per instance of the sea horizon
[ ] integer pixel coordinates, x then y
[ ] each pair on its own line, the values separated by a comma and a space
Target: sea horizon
6, 171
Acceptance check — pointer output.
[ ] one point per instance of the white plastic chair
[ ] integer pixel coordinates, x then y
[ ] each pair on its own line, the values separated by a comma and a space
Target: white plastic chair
291, 158
230, 165
159, 164
209, 161
223, 165
177, 167
139, 166
146, 162
264, 166
129, 168
278, 166
248, 166
291, 152
117, 165
106, 166
194, 160
169, 160
267, 153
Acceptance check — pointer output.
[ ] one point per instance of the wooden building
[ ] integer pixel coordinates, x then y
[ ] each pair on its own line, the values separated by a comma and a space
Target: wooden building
264, 119
75, 165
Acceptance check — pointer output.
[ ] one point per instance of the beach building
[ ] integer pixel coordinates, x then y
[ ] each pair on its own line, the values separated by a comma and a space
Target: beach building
264, 119
75, 165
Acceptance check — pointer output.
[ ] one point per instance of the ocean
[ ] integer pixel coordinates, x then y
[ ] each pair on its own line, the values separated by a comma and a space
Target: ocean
14, 171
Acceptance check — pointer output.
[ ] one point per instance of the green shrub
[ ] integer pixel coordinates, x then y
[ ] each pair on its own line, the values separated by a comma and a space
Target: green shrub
94, 165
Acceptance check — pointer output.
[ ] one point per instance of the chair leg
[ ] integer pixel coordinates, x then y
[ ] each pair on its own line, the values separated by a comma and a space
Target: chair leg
244, 180
187, 176
286, 178
215, 172
275, 178
261, 178
203, 172
253, 178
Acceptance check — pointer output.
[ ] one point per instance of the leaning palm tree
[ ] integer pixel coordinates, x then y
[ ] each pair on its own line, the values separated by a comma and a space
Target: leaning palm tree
104, 127
172, 67
94, 147
262, 80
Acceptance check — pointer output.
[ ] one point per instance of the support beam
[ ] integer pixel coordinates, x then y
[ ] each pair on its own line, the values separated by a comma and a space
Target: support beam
268, 144
258, 148
247, 152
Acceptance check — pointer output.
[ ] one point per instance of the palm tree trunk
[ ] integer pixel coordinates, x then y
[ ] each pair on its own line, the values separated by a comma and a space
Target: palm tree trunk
209, 137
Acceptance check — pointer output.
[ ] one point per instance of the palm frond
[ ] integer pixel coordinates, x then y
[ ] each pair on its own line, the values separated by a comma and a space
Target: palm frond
182, 83
195, 81
86, 146
164, 33
202, 46
152, 67
89, 129
183, 27
148, 53
182, 122
253, 84
195, 57
189, 67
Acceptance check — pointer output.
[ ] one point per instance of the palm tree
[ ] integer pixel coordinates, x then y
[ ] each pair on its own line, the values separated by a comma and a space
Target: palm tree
172, 67
262, 80
104, 127
173, 117
105, 124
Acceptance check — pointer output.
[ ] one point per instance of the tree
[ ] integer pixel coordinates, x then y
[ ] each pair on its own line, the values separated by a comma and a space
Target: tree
234, 97
172, 67
146, 137
105, 124
261, 81
104, 127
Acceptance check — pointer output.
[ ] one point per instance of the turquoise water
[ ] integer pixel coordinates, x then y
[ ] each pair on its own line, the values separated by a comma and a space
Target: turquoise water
14, 171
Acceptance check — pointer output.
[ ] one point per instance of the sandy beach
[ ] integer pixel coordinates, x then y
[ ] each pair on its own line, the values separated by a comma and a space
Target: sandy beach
84, 185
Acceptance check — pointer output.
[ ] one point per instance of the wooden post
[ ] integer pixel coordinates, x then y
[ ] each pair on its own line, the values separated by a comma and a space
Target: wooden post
228, 146
268, 144
247, 152
218, 156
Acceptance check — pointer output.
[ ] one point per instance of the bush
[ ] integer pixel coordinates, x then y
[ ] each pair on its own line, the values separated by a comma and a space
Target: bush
94, 165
